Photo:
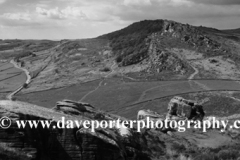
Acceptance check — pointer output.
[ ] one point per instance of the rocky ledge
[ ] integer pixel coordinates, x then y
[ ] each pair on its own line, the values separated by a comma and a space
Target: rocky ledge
79, 143
63, 144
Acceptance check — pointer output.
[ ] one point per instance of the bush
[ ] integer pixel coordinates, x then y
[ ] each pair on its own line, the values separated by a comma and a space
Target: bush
56, 71
25, 85
105, 69
23, 54
118, 59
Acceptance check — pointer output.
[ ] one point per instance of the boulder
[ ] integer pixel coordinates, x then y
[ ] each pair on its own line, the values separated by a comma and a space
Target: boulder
73, 107
188, 109
142, 114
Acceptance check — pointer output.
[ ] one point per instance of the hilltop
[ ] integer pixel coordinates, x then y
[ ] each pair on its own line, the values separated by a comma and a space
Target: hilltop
167, 46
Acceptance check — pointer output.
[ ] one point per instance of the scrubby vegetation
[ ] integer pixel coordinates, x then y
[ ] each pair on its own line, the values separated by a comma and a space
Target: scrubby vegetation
105, 69
129, 45
15, 54
17, 49
10, 44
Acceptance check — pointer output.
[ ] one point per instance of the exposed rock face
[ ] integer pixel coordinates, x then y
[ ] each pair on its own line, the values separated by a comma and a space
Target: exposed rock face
40, 143
64, 144
96, 148
190, 35
180, 107
162, 60
181, 36
142, 114
72, 107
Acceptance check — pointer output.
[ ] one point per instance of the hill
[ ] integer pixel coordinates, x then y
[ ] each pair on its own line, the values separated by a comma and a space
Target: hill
233, 30
151, 42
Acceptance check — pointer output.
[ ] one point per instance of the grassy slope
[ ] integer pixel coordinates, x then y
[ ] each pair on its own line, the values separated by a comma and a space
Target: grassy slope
116, 96
11, 78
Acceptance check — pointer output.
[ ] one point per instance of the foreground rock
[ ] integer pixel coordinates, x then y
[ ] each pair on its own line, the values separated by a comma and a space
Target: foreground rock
62, 144
79, 143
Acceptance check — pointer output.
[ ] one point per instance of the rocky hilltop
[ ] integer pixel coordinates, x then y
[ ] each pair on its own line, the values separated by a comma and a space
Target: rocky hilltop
136, 42
164, 46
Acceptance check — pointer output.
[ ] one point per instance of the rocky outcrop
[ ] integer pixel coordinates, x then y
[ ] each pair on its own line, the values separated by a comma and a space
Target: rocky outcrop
161, 59
37, 143
142, 114
63, 144
182, 108
189, 35
72, 107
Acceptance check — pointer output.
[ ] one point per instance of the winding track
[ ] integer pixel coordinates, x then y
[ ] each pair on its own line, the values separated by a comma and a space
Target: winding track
194, 74
191, 77
100, 84
10, 96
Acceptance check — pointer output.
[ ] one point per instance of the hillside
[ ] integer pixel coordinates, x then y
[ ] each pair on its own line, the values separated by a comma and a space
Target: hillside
131, 44
151, 42
233, 31
145, 50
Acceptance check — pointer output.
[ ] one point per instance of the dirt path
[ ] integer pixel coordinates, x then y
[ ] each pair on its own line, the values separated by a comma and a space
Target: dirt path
101, 82
99, 85
144, 93
10, 96
191, 77
125, 76
194, 74
112, 69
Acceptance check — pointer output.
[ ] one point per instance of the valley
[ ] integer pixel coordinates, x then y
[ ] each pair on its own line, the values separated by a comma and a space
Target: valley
142, 66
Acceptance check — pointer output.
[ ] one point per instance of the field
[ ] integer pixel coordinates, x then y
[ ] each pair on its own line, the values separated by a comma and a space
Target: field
11, 78
120, 96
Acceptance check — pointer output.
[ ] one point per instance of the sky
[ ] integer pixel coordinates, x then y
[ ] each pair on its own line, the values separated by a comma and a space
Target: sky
76, 19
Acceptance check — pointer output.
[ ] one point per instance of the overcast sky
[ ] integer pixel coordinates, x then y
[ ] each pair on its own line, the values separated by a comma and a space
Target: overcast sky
71, 19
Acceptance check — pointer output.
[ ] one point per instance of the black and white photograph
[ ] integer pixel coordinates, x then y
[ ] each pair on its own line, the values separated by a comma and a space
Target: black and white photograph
119, 79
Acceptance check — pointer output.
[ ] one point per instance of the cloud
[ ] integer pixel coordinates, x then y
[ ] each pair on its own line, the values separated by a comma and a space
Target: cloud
217, 2
56, 13
13, 23
180, 2
90, 18
17, 16
136, 2
73, 12
184, 11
